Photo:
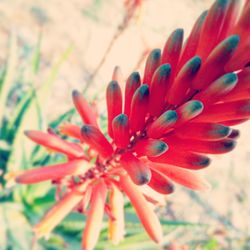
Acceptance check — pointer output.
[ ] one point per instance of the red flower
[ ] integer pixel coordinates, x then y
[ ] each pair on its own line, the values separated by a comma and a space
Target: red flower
181, 111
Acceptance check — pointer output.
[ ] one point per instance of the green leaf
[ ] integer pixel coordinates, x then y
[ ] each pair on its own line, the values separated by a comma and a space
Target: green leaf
9, 75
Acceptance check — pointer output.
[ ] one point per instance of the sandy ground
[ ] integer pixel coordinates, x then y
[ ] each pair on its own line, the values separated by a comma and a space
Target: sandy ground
88, 27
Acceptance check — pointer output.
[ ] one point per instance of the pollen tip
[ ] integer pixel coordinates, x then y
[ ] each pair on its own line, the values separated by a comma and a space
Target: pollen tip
113, 85
144, 178
234, 133
162, 147
230, 144
224, 131
232, 41
143, 90
27, 132
122, 118
195, 64
171, 115
165, 69
205, 162
136, 76
85, 129
156, 54
230, 78
75, 93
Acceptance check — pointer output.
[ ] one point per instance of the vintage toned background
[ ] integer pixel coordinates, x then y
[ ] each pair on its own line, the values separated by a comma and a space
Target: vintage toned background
85, 29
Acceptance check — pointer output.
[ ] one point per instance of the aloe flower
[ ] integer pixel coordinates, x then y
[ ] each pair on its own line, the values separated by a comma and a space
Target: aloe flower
160, 130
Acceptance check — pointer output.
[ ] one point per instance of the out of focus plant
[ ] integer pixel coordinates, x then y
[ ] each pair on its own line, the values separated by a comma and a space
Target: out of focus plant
20, 104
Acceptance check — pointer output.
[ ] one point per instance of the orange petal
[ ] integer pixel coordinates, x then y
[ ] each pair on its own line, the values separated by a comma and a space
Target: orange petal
95, 216
53, 172
86, 112
55, 143
145, 213
59, 211
70, 130
116, 225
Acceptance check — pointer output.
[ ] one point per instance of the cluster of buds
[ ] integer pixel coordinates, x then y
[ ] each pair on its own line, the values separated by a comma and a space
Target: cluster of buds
158, 133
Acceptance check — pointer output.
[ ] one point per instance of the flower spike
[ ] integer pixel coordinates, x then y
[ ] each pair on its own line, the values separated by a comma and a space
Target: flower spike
182, 110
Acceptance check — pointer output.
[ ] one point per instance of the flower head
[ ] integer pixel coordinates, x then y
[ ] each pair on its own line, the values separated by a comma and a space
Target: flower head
167, 123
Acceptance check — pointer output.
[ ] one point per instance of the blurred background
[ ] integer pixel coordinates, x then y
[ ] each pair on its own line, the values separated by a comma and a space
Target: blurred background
49, 48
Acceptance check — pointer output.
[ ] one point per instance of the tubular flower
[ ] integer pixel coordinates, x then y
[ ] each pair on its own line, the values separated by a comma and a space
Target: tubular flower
160, 134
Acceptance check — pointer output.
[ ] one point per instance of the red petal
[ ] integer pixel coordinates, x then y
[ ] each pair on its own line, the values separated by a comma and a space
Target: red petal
114, 103
181, 84
160, 183
158, 89
182, 158
137, 170
121, 131
225, 112
162, 124
55, 143
96, 140
212, 28
152, 63
172, 50
182, 176
139, 108
218, 89
207, 147
215, 62
53, 172
86, 112
192, 42
150, 147
132, 84
203, 131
